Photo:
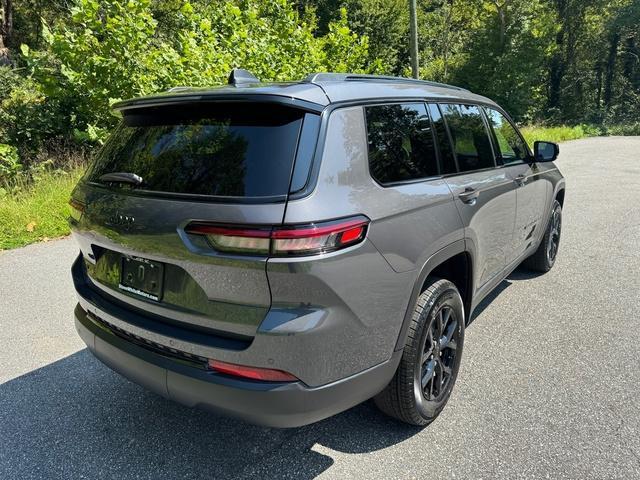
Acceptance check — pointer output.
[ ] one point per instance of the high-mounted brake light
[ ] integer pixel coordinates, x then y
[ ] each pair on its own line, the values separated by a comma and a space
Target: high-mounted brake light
254, 373
307, 239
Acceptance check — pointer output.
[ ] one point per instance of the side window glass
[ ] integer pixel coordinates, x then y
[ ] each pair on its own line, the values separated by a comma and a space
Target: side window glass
512, 148
447, 161
401, 145
469, 135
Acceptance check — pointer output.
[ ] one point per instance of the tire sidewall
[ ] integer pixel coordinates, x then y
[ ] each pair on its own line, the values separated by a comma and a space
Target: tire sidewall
447, 295
556, 208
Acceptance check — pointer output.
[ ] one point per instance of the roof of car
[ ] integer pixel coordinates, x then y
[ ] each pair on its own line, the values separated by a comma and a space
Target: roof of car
314, 92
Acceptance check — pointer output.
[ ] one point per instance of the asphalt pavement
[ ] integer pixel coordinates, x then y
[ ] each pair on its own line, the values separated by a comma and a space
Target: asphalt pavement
549, 385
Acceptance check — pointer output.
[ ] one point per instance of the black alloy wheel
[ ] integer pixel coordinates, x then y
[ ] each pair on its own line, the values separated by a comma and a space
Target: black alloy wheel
431, 357
553, 242
439, 354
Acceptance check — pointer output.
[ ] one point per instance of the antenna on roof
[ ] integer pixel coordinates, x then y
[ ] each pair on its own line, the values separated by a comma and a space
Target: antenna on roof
240, 76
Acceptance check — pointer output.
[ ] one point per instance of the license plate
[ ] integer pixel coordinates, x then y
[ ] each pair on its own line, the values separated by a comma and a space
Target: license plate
142, 277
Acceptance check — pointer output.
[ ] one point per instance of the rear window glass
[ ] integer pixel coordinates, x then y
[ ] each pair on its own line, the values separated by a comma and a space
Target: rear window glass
238, 150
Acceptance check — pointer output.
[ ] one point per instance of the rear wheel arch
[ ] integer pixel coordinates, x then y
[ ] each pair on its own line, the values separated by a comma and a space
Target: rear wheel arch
458, 269
453, 263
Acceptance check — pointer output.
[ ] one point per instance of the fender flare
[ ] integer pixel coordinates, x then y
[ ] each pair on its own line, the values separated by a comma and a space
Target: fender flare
561, 185
441, 256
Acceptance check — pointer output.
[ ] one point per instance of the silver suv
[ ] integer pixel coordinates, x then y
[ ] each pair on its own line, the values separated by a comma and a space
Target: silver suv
283, 252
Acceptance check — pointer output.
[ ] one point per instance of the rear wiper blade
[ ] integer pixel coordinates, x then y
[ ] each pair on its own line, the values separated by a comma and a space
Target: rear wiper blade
121, 177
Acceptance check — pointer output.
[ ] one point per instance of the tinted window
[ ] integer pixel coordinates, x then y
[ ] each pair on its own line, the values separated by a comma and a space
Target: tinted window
512, 148
447, 161
401, 144
206, 149
306, 149
471, 142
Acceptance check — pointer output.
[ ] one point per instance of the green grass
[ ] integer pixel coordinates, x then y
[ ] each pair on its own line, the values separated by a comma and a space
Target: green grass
37, 212
556, 134
563, 134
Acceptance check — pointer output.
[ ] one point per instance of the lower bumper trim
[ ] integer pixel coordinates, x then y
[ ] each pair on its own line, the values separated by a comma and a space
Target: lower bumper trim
281, 405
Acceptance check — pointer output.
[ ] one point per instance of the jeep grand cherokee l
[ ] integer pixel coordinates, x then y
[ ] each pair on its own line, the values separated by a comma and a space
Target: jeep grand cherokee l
282, 252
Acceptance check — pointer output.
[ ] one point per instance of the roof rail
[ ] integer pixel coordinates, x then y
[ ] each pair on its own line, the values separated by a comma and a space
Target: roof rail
351, 77
178, 89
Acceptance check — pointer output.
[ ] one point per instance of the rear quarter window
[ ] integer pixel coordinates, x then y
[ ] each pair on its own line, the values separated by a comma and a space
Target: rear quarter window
400, 142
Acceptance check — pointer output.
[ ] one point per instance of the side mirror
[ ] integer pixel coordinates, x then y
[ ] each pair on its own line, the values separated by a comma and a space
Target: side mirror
546, 151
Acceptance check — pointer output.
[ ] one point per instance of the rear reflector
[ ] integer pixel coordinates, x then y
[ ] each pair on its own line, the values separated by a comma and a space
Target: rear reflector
308, 239
254, 373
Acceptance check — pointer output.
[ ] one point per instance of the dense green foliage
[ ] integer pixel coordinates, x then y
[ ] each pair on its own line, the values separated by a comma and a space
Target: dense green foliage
545, 61
550, 61
64, 77
62, 64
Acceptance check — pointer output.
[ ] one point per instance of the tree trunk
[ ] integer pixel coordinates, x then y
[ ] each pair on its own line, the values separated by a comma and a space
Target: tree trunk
598, 85
557, 67
502, 17
631, 59
614, 42
6, 29
447, 30
557, 71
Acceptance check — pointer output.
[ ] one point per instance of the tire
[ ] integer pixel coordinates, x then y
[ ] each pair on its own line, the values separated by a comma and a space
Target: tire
407, 398
545, 257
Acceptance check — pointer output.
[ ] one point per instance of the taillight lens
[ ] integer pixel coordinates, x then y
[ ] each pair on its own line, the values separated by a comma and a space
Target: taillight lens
233, 239
254, 373
77, 209
307, 239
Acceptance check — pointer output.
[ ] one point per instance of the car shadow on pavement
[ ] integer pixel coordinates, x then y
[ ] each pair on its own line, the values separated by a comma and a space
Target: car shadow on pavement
76, 418
520, 273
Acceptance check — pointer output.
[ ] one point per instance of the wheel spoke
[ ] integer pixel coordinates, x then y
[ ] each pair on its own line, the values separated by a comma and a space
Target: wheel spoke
427, 373
446, 316
428, 347
426, 356
440, 324
431, 387
448, 336
438, 379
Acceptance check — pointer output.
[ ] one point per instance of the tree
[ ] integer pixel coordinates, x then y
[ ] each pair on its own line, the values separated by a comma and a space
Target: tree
6, 30
112, 49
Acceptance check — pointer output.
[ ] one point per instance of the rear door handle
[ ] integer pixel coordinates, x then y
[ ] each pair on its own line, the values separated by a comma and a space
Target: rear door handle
469, 196
520, 180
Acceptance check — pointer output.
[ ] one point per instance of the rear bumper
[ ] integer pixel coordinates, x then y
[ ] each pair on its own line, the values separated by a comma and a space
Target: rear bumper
279, 405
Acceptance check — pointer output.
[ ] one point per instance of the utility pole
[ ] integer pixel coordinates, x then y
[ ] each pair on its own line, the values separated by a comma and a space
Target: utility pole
413, 18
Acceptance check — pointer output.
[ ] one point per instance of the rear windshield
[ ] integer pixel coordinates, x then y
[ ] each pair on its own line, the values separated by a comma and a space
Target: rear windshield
237, 150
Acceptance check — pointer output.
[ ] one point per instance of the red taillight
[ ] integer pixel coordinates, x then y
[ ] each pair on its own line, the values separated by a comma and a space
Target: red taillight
254, 373
281, 241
